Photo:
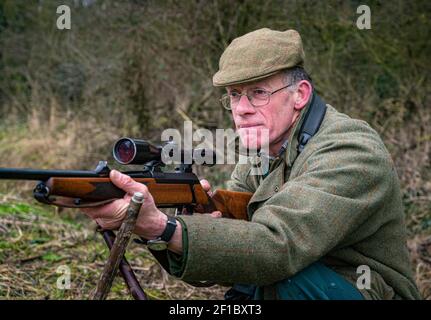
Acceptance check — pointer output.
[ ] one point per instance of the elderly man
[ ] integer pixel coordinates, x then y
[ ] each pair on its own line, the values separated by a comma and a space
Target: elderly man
326, 220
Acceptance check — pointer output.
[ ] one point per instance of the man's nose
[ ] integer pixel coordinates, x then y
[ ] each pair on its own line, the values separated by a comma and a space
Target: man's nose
244, 106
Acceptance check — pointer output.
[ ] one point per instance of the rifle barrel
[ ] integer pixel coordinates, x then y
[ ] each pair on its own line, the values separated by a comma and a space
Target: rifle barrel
42, 175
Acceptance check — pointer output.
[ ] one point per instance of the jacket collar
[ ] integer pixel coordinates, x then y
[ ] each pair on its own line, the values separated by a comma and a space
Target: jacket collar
292, 151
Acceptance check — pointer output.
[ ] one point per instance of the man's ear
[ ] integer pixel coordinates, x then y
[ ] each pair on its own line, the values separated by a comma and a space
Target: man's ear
303, 94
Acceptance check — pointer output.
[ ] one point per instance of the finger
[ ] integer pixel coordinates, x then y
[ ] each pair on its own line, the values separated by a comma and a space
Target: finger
108, 224
206, 186
126, 183
111, 210
216, 214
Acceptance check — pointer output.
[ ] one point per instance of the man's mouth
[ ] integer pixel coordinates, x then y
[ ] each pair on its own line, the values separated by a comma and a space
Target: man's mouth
243, 126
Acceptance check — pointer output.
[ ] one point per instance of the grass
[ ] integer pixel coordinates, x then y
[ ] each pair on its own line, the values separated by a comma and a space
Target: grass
38, 242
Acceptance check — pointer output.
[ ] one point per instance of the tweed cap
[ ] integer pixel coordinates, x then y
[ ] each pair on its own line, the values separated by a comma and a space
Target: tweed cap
257, 55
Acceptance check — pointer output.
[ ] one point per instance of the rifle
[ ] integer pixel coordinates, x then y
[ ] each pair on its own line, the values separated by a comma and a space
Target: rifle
179, 189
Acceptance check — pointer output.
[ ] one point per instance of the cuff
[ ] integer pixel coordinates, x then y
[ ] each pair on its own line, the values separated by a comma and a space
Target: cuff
176, 261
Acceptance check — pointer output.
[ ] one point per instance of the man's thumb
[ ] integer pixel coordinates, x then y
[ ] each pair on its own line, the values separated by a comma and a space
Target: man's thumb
126, 183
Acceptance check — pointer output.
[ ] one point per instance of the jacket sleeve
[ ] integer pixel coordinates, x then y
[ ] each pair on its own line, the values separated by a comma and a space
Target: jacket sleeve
341, 182
176, 263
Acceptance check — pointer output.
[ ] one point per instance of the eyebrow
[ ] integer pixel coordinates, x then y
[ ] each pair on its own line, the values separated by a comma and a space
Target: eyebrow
260, 85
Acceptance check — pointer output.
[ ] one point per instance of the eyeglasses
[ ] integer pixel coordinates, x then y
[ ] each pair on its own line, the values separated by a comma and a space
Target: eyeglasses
257, 97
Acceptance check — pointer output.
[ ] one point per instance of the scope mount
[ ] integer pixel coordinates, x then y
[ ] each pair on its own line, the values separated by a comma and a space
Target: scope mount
153, 166
184, 168
156, 166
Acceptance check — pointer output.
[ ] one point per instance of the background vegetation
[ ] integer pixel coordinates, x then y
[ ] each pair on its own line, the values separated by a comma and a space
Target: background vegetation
136, 67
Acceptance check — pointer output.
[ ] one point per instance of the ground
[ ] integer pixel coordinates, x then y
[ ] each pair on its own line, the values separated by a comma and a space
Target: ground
38, 242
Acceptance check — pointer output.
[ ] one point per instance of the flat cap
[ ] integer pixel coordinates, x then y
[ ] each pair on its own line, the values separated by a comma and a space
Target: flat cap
257, 55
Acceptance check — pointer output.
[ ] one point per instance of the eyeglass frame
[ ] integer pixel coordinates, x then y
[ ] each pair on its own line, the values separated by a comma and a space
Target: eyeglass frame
269, 93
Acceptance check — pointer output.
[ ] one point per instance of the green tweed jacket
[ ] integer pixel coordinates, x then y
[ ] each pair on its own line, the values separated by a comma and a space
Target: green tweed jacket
339, 202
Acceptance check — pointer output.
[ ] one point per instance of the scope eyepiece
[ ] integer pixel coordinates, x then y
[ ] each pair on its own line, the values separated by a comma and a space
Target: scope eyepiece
134, 151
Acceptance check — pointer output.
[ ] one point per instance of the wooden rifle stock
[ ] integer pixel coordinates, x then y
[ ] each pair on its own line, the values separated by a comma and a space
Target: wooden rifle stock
87, 192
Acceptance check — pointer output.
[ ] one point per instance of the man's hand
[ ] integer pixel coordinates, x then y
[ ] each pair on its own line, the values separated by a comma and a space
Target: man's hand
207, 187
151, 221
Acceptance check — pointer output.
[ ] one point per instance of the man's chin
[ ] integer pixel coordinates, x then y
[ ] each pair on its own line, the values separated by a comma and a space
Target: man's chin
250, 143
253, 139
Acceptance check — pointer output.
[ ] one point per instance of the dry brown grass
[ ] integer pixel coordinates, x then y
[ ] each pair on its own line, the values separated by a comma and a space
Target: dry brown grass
420, 251
54, 140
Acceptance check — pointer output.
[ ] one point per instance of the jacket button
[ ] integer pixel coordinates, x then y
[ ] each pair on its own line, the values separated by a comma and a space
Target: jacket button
276, 188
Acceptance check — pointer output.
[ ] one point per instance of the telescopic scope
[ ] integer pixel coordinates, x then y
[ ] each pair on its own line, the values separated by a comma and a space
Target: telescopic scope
135, 151
140, 152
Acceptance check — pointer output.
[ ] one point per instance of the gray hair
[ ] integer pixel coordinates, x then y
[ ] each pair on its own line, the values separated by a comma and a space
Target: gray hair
296, 74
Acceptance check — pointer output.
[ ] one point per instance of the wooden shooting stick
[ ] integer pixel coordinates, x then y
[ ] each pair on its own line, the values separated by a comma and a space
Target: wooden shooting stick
116, 258
126, 270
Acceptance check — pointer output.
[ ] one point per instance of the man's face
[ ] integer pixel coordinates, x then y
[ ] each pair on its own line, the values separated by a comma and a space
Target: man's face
277, 116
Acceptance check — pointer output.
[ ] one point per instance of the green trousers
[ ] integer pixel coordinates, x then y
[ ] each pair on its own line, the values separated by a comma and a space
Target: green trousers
316, 282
